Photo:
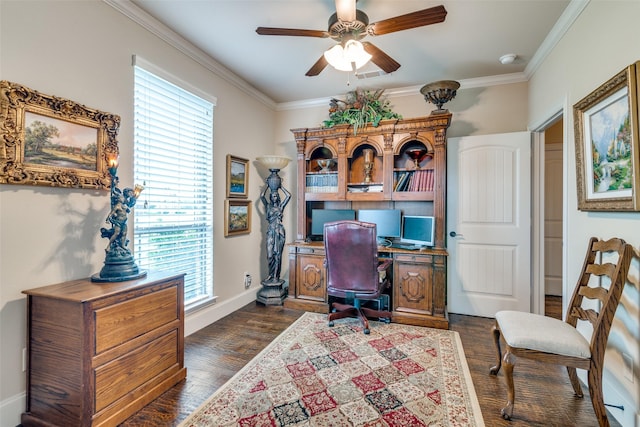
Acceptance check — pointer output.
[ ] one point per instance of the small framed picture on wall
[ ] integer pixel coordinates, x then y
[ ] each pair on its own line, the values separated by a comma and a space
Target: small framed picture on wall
237, 177
237, 217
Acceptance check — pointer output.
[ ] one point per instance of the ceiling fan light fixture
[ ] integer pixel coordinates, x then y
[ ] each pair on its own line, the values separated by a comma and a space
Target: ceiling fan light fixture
347, 26
351, 56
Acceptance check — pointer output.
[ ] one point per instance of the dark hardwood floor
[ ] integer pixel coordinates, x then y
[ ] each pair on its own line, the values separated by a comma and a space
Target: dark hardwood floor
544, 396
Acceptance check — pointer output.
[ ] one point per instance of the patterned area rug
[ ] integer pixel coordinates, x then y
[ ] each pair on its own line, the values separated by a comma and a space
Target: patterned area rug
314, 375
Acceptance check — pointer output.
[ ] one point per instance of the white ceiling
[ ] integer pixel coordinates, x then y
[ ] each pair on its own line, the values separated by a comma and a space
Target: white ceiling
465, 46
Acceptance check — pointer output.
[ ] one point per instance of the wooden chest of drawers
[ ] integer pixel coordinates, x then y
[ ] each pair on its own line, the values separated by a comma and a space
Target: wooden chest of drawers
99, 352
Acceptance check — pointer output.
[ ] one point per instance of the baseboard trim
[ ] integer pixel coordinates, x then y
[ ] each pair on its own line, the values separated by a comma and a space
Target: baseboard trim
12, 408
201, 318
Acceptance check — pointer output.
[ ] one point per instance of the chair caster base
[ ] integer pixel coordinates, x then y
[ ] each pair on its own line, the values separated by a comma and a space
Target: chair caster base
507, 411
331, 323
367, 331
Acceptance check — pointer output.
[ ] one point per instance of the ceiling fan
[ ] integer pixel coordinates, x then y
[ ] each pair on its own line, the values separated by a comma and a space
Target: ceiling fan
349, 25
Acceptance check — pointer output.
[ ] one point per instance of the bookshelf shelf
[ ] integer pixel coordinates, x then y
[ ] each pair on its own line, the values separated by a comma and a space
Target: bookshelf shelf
323, 197
413, 196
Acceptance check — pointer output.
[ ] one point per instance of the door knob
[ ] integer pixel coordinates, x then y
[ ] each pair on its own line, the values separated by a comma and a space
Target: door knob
454, 234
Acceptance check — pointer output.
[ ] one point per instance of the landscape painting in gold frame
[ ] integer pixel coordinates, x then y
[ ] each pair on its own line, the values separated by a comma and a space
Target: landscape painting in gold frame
50, 141
237, 217
237, 177
606, 139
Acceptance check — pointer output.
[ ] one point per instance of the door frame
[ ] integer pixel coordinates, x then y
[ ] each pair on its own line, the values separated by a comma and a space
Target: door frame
537, 206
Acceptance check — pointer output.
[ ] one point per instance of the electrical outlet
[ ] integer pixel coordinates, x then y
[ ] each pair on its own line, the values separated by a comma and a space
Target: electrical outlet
24, 360
627, 370
247, 280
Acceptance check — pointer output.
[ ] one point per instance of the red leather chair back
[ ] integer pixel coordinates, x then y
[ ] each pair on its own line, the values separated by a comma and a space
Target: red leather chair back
351, 252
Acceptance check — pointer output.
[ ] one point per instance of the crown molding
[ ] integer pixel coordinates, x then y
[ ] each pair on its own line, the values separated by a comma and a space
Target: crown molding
154, 26
562, 25
501, 79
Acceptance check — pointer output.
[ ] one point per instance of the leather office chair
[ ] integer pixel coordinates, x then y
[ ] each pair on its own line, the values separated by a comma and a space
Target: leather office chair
550, 340
354, 272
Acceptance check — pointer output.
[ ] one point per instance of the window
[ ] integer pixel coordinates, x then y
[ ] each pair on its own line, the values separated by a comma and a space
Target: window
173, 159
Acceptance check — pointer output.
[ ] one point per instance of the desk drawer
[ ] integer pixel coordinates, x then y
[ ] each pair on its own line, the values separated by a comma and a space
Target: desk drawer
121, 322
115, 379
312, 251
413, 258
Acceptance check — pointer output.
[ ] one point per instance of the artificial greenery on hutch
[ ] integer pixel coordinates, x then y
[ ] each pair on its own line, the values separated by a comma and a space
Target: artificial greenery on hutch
360, 107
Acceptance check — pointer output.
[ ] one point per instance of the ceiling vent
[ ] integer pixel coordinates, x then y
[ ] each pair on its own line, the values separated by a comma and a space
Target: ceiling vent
371, 74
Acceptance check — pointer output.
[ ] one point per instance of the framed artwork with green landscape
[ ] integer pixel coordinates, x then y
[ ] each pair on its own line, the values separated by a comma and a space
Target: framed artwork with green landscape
237, 176
237, 217
606, 138
50, 141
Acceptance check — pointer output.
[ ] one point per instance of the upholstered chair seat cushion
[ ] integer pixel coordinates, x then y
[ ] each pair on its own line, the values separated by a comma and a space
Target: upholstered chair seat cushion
542, 333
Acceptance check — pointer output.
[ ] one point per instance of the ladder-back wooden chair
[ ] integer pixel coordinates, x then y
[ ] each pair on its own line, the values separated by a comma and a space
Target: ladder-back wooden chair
595, 299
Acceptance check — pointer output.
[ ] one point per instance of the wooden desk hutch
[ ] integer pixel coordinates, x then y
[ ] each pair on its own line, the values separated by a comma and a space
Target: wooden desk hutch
419, 277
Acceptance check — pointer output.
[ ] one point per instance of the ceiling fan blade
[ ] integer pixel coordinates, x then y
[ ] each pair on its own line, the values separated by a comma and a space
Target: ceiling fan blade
346, 10
270, 31
419, 18
317, 67
381, 59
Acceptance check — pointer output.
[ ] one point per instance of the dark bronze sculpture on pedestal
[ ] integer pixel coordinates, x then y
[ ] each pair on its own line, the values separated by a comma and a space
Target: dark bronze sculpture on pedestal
272, 292
119, 264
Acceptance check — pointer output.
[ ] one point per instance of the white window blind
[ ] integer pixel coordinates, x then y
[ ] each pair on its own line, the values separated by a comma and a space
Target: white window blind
173, 159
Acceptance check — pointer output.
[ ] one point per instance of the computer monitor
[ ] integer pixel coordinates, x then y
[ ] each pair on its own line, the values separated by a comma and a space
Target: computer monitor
419, 230
320, 216
387, 221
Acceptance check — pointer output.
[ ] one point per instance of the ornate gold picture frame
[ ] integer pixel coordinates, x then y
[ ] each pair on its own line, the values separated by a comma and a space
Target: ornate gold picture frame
51, 141
237, 217
606, 138
237, 177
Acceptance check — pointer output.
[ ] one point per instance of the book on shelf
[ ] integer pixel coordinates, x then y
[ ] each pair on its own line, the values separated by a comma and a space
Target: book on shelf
414, 180
321, 183
402, 180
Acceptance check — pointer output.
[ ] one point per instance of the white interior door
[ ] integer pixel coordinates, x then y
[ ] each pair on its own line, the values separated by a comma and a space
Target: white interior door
489, 223
553, 220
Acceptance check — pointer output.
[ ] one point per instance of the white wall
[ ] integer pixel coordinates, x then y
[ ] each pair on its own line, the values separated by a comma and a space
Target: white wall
598, 45
82, 51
